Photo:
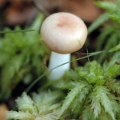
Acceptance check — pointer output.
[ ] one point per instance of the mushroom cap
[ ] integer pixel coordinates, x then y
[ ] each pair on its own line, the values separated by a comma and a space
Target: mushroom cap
63, 32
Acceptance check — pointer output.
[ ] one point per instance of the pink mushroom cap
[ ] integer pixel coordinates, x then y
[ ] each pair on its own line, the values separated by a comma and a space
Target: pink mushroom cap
63, 32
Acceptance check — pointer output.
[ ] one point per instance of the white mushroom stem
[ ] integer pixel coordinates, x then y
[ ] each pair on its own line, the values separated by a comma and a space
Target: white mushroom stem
57, 59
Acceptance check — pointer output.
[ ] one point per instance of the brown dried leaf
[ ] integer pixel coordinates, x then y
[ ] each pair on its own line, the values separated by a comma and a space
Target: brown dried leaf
3, 111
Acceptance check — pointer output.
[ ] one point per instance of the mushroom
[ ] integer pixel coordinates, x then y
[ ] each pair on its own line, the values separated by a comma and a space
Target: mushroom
63, 33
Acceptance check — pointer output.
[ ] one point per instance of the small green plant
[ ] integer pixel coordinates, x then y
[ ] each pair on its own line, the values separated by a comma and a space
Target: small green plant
42, 106
21, 57
109, 32
93, 89
93, 93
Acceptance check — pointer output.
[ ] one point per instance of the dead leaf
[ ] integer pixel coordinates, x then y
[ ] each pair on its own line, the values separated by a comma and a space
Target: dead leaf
3, 111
